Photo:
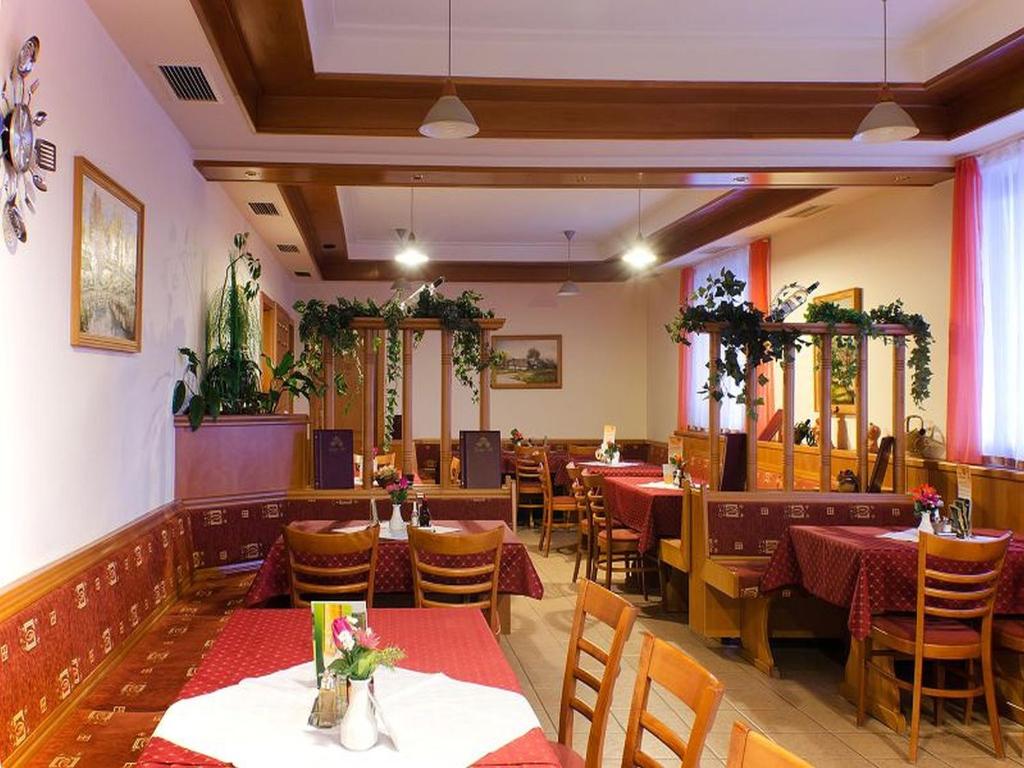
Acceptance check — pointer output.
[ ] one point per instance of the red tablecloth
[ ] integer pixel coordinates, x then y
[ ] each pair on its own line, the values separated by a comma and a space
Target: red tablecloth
455, 641
654, 513
394, 569
630, 469
850, 566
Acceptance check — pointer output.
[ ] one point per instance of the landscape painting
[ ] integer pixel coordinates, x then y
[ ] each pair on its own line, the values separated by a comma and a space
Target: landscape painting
107, 263
527, 362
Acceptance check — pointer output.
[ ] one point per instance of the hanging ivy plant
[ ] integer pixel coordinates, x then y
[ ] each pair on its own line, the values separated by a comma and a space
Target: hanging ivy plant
919, 360
331, 323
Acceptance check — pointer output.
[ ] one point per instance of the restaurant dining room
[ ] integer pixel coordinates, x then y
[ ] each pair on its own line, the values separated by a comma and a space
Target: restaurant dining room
449, 383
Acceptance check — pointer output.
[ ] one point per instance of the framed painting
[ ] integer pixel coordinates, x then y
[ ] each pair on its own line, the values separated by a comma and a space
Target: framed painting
527, 362
844, 358
106, 263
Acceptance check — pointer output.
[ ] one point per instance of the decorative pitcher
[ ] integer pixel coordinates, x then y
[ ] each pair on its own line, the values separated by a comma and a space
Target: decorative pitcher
396, 524
358, 731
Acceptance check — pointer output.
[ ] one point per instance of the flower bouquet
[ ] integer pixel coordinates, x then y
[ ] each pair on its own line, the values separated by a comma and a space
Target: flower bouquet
518, 438
927, 503
396, 486
679, 469
360, 653
608, 453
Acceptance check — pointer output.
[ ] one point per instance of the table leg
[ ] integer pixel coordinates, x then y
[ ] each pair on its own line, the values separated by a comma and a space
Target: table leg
883, 697
674, 588
505, 612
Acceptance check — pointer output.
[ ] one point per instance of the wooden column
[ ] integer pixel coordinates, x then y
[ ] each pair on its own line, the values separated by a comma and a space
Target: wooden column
825, 413
330, 397
788, 415
408, 448
899, 414
369, 404
862, 413
485, 382
751, 409
714, 416
445, 461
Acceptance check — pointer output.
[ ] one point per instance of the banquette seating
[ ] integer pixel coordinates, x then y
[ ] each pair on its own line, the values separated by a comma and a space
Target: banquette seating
734, 537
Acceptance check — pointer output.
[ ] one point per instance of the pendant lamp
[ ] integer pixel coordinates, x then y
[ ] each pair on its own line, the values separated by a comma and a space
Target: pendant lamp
449, 118
568, 288
887, 121
410, 254
640, 255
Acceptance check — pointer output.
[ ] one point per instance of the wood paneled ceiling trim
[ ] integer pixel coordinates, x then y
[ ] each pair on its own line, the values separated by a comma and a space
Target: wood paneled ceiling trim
264, 49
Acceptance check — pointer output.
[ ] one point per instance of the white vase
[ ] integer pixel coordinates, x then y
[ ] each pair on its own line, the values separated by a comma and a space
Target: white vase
358, 731
396, 524
926, 523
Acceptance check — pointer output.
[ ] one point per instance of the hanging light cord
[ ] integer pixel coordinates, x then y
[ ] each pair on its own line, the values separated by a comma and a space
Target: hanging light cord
412, 191
568, 257
885, 46
450, 38
639, 184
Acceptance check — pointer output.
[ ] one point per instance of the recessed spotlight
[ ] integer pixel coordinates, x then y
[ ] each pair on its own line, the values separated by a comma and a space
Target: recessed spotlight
251, 173
329, 246
901, 178
741, 179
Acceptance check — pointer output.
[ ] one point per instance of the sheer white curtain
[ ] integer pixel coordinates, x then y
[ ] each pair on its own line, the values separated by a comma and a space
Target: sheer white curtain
733, 414
1002, 305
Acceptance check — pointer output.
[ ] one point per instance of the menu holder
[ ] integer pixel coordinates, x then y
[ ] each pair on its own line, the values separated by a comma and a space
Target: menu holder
324, 614
480, 458
332, 458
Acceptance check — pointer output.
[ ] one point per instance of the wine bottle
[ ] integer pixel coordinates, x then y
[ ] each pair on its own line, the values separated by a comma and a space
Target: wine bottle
424, 513
789, 299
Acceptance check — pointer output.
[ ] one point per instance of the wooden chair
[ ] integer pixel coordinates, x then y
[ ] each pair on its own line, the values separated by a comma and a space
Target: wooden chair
956, 589
580, 451
357, 551
614, 549
592, 601
383, 460
529, 485
455, 471
750, 749
685, 679
457, 570
566, 505
583, 527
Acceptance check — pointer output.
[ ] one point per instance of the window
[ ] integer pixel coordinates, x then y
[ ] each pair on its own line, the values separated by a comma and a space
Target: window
733, 414
1001, 311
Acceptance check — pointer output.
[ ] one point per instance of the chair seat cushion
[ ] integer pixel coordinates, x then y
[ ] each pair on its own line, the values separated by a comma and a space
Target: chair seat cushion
620, 534
1008, 633
567, 758
936, 631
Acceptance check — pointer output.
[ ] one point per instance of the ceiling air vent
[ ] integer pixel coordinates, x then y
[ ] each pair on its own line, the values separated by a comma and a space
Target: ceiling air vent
189, 83
301, 273
264, 209
287, 248
807, 211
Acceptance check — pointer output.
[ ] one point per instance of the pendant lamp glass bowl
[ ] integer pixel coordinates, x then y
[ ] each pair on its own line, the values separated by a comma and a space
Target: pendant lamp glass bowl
449, 118
640, 255
411, 255
569, 288
887, 121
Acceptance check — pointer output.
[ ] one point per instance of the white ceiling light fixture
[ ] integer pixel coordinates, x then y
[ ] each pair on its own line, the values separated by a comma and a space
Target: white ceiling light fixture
887, 121
449, 118
410, 254
568, 288
640, 255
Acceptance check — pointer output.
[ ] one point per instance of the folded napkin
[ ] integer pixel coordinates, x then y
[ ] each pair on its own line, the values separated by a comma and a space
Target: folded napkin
912, 534
261, 722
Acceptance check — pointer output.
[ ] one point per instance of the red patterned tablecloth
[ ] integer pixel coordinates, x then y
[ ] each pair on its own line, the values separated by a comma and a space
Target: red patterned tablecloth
654, 513
394, 569
625, 469
850, 566
450, 640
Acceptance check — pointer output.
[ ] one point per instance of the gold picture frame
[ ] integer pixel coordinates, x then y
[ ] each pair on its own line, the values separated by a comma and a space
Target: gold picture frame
527, 362
843, 398
106, 262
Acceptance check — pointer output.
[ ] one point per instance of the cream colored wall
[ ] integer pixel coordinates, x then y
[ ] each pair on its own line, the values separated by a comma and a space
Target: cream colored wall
86, 444
604, 359
662, 355
893, 244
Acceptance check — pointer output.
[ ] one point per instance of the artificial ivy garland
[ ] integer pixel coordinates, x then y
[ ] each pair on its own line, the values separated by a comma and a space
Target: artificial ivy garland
718, 301
332, 323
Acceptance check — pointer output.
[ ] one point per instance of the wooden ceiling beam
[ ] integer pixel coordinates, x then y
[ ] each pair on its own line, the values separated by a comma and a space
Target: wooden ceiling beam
265, 51
316, 212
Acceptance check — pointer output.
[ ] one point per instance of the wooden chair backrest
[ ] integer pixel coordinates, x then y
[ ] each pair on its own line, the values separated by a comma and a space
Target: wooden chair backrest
615, 612
357, 552
881, 464
750, 749
685, 679
525, 451
949, 591
594, 485
578, 450
530, 465
383, 460
472, 577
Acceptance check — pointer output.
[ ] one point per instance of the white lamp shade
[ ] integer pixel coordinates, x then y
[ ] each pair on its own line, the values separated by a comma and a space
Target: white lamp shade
640, 255
449, 118
886, 122
569, 288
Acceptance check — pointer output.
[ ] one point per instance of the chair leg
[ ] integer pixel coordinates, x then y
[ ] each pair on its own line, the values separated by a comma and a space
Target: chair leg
608, 569
549, 527
969, 704
579, 556
990, 700
915, 713
940, 682
862, 686
642, 566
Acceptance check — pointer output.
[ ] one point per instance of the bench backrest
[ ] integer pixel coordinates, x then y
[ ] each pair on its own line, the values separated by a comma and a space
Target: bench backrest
750, 525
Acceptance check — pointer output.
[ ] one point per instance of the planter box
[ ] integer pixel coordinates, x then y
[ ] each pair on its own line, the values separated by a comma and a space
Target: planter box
239, 455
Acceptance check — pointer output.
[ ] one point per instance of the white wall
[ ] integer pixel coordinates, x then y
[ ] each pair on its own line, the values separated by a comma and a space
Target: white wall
893, 244
662, 356
604, 359
86, 443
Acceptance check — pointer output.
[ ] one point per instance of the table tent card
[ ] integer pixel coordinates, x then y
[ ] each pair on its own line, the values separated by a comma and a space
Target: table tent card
324, 614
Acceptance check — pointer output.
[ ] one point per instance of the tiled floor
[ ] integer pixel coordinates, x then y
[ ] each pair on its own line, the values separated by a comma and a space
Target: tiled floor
802, 711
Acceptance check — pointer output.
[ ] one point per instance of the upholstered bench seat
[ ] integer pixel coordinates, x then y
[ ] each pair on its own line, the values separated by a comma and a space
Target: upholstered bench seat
736, 578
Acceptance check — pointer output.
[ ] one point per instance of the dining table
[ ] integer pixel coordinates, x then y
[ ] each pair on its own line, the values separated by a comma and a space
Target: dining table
621, 468
393, 575
867, 572
646, 505
454, 641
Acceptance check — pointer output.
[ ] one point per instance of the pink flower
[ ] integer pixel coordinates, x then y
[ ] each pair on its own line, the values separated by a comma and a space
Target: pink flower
339, 627
368, 639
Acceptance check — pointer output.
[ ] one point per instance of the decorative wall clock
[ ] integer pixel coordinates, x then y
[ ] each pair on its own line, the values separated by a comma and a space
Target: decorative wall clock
25, 156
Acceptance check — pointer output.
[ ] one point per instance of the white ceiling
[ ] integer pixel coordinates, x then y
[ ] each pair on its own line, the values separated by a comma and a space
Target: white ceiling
508, 224
655, 39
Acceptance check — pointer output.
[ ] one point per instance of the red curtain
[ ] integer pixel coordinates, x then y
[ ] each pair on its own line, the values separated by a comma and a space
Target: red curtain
963, 400
685, 289
759, 288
